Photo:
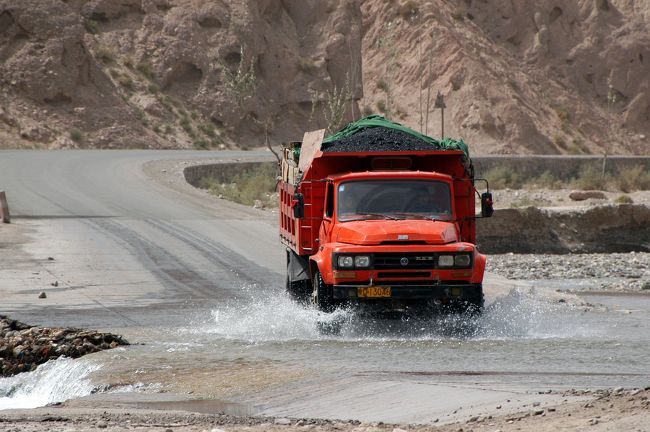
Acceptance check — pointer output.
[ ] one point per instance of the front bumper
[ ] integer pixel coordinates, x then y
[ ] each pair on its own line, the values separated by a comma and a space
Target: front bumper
440, 291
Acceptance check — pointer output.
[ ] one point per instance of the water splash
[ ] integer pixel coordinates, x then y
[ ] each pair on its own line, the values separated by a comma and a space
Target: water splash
55, 381
521, 314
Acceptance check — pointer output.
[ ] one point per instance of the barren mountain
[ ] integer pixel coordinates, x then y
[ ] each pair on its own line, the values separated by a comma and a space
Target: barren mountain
170, 73
545, 76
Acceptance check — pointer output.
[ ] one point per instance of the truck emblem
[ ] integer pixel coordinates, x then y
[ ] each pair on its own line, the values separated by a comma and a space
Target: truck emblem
404, 261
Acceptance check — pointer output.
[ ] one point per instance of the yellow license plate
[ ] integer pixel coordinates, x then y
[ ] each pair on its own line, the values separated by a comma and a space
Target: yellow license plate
374, 291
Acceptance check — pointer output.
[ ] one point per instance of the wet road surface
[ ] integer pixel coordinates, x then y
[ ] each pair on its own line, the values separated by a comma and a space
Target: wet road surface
198, 282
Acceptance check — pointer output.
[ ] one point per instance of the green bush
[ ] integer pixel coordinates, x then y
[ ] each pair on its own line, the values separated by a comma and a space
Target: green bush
635, 178
624, 199
104, 54
590, 177
501, 178
75, 135
257, 183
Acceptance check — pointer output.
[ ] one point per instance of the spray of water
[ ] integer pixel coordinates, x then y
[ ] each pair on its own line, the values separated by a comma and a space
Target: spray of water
55, 381
262, 317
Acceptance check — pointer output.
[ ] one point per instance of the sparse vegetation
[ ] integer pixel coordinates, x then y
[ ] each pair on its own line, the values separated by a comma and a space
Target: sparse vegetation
242, 80
381, 106
624, 199
635, 178
76, 135
257, 183
590, 177
335, 103
104, 54
125, 81
306, 64
383, 85
92, 26
367, 110
207, 129
153, 88
146, 69
201, 144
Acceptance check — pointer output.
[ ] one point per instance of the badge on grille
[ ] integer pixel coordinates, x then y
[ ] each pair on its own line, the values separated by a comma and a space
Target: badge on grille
404, 261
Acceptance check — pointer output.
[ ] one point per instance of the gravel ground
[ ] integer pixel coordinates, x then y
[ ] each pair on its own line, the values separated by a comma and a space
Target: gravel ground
615, 271
613, 410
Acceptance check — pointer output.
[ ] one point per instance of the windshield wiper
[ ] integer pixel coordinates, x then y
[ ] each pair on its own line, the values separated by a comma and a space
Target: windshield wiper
416, 216
365, 216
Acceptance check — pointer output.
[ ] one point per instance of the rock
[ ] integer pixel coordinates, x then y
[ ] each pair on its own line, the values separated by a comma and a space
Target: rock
583, 195
42, 295
101, 424
282, 421
538, 412
258, 204
55, 284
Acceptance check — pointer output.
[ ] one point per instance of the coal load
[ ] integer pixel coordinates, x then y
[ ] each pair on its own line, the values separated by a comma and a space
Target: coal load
378, 139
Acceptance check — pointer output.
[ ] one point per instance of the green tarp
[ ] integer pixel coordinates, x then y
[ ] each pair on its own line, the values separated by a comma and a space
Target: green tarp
379, 121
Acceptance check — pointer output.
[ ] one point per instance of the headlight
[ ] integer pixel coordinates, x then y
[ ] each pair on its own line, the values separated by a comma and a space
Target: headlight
445, 261
361, 261
462, 260
345, 261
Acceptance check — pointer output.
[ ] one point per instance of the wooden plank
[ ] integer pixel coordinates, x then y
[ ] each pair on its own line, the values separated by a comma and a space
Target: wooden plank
311, 143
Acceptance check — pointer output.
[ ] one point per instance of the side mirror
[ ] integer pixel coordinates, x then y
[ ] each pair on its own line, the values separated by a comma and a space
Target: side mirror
487, 206
298, 205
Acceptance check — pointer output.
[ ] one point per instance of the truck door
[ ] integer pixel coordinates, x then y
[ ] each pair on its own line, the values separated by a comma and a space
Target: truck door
326, 227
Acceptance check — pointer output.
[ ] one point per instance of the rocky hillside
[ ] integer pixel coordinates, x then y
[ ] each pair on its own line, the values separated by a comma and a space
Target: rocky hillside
171, 73
545, 76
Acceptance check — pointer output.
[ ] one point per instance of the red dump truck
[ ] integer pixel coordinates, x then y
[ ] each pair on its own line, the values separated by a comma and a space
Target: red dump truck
383, 216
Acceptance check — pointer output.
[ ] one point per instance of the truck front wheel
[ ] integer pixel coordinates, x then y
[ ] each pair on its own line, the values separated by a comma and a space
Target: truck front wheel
323, 294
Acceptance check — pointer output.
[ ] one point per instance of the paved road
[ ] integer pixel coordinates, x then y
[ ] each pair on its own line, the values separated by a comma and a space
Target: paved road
121, 240
199, 282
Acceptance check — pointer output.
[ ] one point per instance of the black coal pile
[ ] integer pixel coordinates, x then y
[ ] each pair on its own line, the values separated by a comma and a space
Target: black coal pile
24, 347
377, 139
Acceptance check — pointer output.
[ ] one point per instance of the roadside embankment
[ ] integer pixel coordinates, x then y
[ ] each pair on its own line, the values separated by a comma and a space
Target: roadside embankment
559, 230
24, 347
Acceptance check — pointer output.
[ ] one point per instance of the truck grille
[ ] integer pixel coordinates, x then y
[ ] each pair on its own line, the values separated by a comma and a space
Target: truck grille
403, 261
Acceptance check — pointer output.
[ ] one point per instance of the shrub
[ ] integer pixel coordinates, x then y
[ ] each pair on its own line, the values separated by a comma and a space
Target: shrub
92, 26
75, 135
125, 81
306, 64
257, 183
381, 106
624, 199
383, 85
590, 177
635, 178
145, 69
501, 178
104, 54
153, 88
201, 144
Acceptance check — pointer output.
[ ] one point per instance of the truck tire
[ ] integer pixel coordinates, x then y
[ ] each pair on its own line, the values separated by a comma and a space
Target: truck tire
322, 294
298, 290
473, 304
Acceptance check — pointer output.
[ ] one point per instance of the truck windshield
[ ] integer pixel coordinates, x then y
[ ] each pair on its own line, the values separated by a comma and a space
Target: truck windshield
394, 199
